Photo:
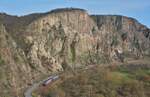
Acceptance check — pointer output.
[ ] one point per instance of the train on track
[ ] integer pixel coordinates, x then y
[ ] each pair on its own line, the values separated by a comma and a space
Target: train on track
50, 79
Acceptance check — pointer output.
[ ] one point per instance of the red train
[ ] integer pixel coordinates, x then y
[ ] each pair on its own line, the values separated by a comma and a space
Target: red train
50, 79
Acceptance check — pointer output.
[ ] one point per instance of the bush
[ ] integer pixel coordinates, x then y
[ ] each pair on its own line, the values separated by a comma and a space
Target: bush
101, 82
73, 51
2, 62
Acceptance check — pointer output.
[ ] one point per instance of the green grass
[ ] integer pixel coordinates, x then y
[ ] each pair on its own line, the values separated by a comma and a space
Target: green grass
139, 74
118, 77
34, 95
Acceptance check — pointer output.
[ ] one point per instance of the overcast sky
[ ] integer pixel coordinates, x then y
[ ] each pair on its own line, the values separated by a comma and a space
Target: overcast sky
139, 9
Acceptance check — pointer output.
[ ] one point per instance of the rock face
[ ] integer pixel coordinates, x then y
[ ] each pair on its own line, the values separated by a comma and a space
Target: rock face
124, 33
38, 44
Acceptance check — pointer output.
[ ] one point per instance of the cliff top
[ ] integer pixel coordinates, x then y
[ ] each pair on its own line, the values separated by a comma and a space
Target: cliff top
66, 10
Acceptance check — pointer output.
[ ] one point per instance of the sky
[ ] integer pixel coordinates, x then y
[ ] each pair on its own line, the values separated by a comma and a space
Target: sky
139, 9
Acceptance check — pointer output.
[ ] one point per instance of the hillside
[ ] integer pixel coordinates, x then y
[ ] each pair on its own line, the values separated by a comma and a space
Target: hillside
37, 45
127, 80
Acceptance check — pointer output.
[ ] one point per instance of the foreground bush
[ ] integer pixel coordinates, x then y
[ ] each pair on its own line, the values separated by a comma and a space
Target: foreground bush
104, 82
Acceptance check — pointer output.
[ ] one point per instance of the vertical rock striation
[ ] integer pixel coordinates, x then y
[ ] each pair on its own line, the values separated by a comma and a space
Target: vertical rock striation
38, 44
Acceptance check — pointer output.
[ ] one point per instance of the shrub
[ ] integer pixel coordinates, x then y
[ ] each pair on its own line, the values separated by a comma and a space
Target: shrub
100, 82
2, 62
73, 51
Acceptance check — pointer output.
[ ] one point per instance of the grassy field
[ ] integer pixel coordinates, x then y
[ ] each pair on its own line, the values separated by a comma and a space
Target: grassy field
112, 81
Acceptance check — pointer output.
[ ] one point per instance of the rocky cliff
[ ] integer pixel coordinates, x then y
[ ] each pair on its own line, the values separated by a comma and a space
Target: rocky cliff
38, 44
125, 33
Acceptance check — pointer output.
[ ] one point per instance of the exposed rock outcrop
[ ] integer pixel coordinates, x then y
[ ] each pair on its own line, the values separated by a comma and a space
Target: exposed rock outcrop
35, 45
126, 32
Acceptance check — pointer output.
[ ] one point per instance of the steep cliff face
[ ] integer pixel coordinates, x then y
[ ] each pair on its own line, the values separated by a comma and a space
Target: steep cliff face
15, 72
125, 33
38, 44
60, 35
6, 57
